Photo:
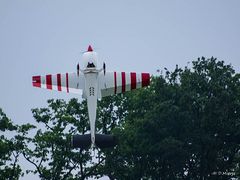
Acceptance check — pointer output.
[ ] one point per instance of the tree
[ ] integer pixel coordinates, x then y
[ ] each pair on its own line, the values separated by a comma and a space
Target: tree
185, 125
9, 151
50, 151
214, 89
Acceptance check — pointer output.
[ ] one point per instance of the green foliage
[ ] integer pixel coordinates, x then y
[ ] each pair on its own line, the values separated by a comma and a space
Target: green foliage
9, 150
50, 150
184, 126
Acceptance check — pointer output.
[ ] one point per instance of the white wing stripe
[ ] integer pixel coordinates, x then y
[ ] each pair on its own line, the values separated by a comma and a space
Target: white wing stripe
139, 81
119, 82
43, 82
128, 82
63, 82
54, 83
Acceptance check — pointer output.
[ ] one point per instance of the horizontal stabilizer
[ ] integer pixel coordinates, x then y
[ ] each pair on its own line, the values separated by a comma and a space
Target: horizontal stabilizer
105, 141
101, 141
81, 141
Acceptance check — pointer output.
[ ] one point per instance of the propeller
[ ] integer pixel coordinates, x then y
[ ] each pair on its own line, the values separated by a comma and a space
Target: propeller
78, 69
104, 68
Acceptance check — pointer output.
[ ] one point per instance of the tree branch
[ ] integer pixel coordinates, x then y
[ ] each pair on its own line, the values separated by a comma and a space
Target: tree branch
14, 164
70, 170
93, 168
37, 166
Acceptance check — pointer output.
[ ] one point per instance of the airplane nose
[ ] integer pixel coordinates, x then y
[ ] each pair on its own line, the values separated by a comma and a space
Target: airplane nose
90, 48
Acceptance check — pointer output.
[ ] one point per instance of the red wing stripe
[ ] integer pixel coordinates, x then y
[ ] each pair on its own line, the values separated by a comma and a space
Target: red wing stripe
123, 82
36, 81
133, 80
145, 79
49, 81
59, 85
67, 82
115, 83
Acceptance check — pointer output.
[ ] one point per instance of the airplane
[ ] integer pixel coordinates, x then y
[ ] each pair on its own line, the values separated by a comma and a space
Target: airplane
93, 84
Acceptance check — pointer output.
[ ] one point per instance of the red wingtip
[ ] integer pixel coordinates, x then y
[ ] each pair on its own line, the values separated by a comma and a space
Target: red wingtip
90, 48
36, 81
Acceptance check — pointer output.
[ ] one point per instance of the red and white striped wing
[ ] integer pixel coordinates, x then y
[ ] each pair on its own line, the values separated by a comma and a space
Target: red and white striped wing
68, 82
120, 82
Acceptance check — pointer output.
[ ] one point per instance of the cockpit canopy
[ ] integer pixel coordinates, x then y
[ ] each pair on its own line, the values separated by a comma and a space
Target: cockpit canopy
90, 60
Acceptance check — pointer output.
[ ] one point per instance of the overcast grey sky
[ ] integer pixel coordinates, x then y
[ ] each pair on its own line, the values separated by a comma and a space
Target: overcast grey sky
38, 37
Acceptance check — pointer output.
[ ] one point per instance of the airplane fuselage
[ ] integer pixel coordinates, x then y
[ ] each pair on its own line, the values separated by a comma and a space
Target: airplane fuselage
91, 93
